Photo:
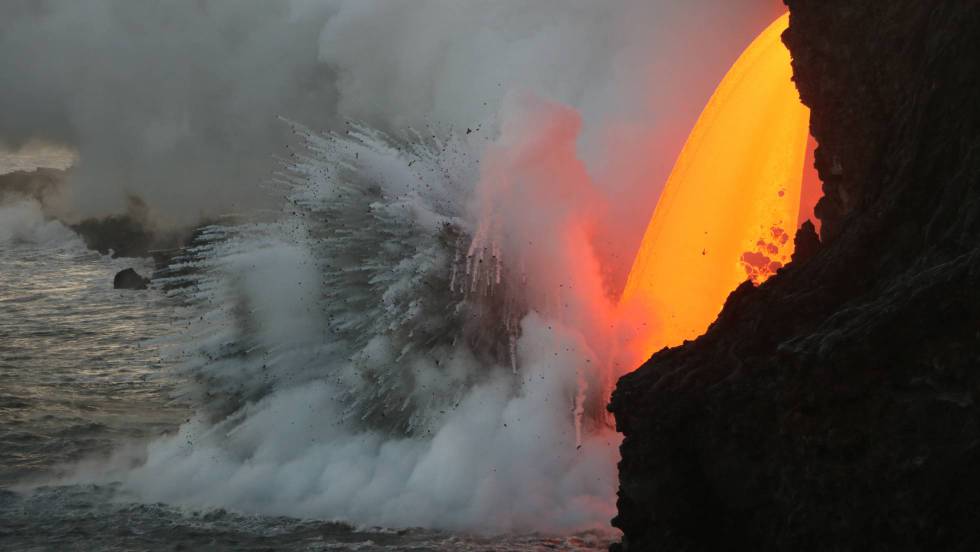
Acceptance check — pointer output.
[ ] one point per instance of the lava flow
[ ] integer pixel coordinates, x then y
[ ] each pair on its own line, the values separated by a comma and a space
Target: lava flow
730, 205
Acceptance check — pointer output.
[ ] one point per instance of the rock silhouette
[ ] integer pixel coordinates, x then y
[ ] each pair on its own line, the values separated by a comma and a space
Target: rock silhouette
129, 279
836, 406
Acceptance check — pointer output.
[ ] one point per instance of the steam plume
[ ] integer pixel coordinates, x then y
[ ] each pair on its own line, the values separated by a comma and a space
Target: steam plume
332, 368
176, 101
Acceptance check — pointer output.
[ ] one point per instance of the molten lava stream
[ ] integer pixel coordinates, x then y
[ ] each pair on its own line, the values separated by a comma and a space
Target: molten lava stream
729, 209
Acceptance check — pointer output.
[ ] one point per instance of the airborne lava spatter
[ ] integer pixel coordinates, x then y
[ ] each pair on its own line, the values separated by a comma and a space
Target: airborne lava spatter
731, 203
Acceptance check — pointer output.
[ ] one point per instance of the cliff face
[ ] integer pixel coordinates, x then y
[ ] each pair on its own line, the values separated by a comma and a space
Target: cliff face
837, 406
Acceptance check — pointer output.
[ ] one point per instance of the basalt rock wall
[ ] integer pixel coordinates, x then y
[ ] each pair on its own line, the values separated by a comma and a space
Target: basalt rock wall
837, 406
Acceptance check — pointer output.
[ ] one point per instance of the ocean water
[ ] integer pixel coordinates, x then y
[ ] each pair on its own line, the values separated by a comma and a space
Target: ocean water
78, 369
81, 374
86, 518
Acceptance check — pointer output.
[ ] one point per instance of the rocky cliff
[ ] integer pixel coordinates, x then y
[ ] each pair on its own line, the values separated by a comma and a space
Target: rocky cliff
837, 406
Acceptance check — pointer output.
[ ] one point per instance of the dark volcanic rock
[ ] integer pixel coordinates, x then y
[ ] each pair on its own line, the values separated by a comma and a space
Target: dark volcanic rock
131, 235
129, 279
806, 243
122, 235
837, 406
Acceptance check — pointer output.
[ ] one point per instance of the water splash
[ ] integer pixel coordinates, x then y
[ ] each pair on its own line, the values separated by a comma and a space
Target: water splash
351, 362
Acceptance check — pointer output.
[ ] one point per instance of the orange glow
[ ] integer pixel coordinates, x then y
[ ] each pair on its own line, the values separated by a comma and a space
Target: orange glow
729, 209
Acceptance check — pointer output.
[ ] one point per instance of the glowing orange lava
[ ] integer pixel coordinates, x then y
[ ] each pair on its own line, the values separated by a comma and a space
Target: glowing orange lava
729, 209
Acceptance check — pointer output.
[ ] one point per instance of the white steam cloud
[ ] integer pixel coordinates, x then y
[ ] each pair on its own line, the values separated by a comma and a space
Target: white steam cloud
22, 221
451, 439
174, 102
342, 368
177, 101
